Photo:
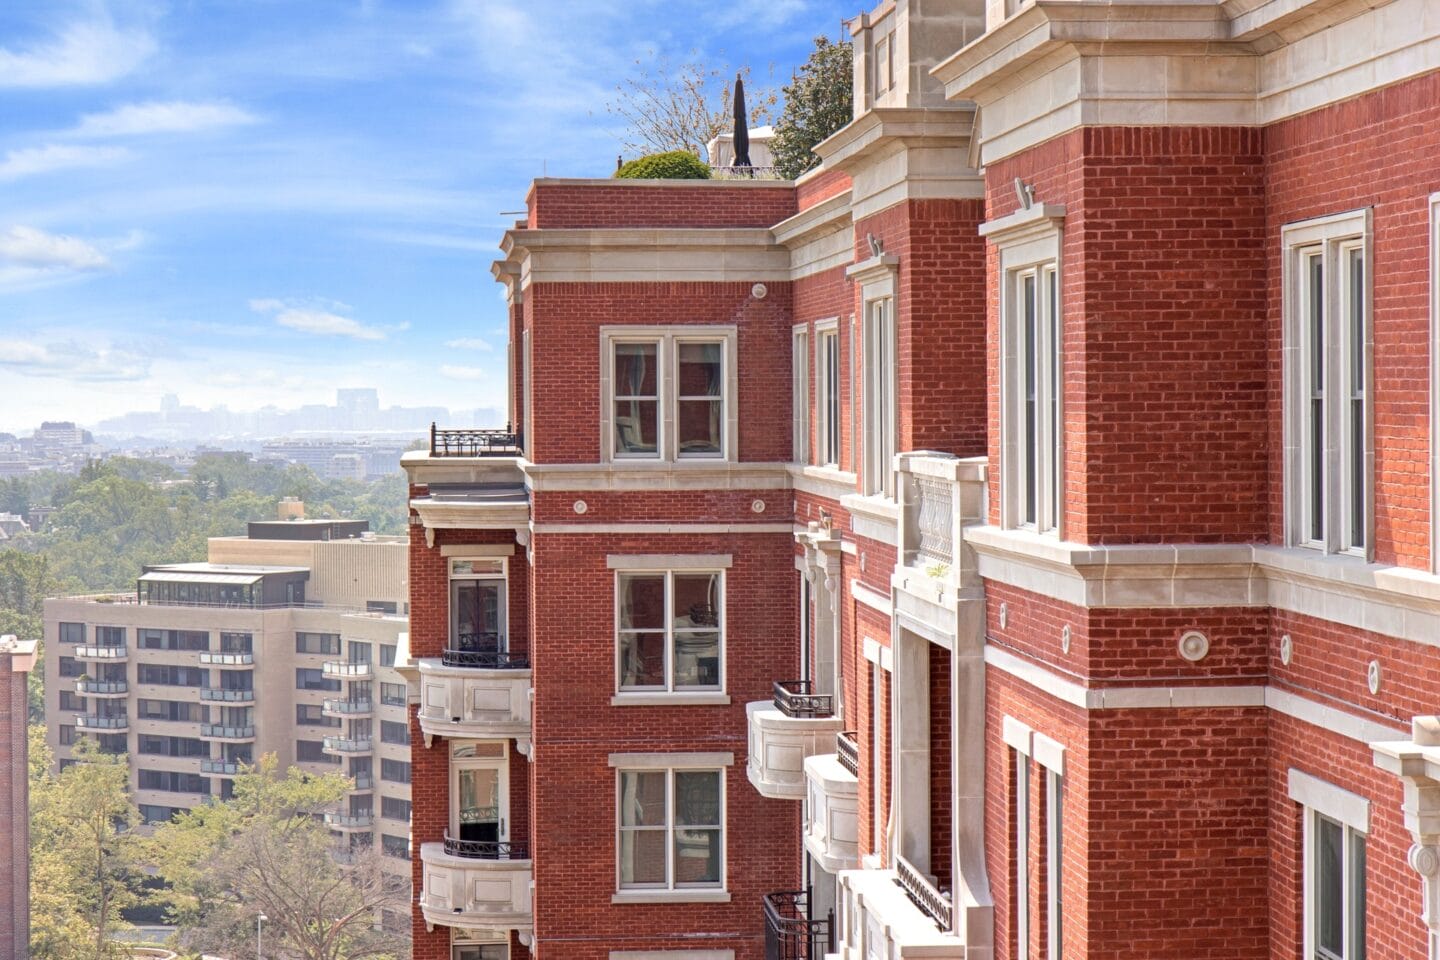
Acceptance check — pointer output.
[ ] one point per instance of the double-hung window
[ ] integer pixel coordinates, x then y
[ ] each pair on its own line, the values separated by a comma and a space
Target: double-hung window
1329, 439
800, 393
1336, 822
668, 393
670, 630
881, 397
1039, 765
827, 388
671, 829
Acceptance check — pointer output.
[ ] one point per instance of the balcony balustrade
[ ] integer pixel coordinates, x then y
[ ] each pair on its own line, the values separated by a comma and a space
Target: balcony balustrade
86, 721
344, 746
832, 815
347, 708
115, 653
102, 688
345, 670
794, 724
893, 913
223, 768
474, 701
475, 443
227, 659
232, 734
364, 781
349, 822
847, 751
479, 886
216, 695
790, 932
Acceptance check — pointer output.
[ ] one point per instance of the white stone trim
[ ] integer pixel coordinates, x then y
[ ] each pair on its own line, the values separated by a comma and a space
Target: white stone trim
671, 761
682, 895
1016, 735
648, 255
1434, 258
664, 528
878, 654
477, 550
1334, 802
656, 475
668, 561
681, 698
672, 955
1049, 753
825, 482
1329, 718
871, 598
873, 517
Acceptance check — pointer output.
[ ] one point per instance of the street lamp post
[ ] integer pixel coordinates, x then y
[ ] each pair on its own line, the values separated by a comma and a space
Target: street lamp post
259, 920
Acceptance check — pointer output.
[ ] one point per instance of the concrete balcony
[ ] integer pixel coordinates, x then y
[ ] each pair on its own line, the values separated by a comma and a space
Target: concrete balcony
110, 654
232, 697
793, 725
228, 659
475, 702
221, 768
364, 783
350, 822
347, 708
102, 688
892, 914
832, 811
227, 734
85, 721
476, 886
344, 670
346, 746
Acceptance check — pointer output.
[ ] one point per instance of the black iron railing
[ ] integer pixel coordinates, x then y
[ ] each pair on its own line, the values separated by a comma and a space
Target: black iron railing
923, 894
484, 660
791, 933
847, 751
795, 698
487, 849
475, 443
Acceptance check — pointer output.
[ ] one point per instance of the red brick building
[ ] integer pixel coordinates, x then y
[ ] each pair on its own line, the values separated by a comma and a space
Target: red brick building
17, 659
1014, 539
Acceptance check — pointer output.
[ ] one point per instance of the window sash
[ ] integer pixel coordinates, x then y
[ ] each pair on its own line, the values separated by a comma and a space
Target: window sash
1054, 860
1034, 384
827, 353
800, 396
676, 637
1022, 856
881, 424
1335, 888
677, 837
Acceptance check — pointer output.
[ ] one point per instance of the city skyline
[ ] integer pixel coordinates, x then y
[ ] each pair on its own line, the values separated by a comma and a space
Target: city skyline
251, 205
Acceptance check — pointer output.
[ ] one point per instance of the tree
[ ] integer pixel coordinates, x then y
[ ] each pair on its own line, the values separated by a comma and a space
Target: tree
682, 108
819, 100
83, 870
25, 582
262, 852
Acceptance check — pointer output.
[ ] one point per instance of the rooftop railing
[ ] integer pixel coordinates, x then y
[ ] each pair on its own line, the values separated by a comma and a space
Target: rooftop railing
795, 698
475, 443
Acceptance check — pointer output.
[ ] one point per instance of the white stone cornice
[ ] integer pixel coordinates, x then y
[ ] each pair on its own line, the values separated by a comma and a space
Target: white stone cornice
879, 267
1025, 224
658, 475
653, 255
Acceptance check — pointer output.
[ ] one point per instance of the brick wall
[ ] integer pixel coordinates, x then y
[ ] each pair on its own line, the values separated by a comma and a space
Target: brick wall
558, 205
14, 814
821, 187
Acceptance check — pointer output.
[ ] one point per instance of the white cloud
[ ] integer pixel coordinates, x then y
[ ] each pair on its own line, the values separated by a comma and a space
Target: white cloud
311, 319
48, 159
469, 343
175, 116
73, 361
464, 373
29, 247
83, 53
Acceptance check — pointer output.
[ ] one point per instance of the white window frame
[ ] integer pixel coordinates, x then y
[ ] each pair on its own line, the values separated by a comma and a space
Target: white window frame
1321, 799
1036, 754
527, 393
1434, 380
503, 576
670, 689
827, 393
1029, 243
1054, 861
1332, 240
800, 392
882, 394
499, 763
670, 886
668, 340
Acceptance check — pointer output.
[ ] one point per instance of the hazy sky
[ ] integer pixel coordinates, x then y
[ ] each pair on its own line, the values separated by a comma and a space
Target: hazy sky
256, 201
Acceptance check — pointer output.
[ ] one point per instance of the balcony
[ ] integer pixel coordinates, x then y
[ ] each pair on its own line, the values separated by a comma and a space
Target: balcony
108, 654
222, 768
228, 696
790, 932
893, 913
85, 721
363, 782
350, 822
102, 688
345, 670
228, 659
476, 886
474, 701
832, 824
939, 495
475, 443
795, 724
345, 746
228, 734
347, 708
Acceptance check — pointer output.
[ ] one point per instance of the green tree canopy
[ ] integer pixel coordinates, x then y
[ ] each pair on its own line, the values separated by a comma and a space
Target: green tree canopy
819, 100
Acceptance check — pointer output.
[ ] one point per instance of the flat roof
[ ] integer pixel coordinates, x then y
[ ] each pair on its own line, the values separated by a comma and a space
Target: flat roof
170, 576
256, 569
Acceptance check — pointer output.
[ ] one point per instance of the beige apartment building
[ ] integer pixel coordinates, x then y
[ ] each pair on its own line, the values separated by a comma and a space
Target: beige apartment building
284, 641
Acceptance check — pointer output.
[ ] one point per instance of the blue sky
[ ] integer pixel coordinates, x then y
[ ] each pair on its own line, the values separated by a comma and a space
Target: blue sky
248, 202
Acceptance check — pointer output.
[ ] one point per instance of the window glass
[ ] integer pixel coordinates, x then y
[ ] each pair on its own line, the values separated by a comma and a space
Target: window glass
637, 395
671, 832
642, 828
701, 409
670, 634
72, 633
1329, 887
